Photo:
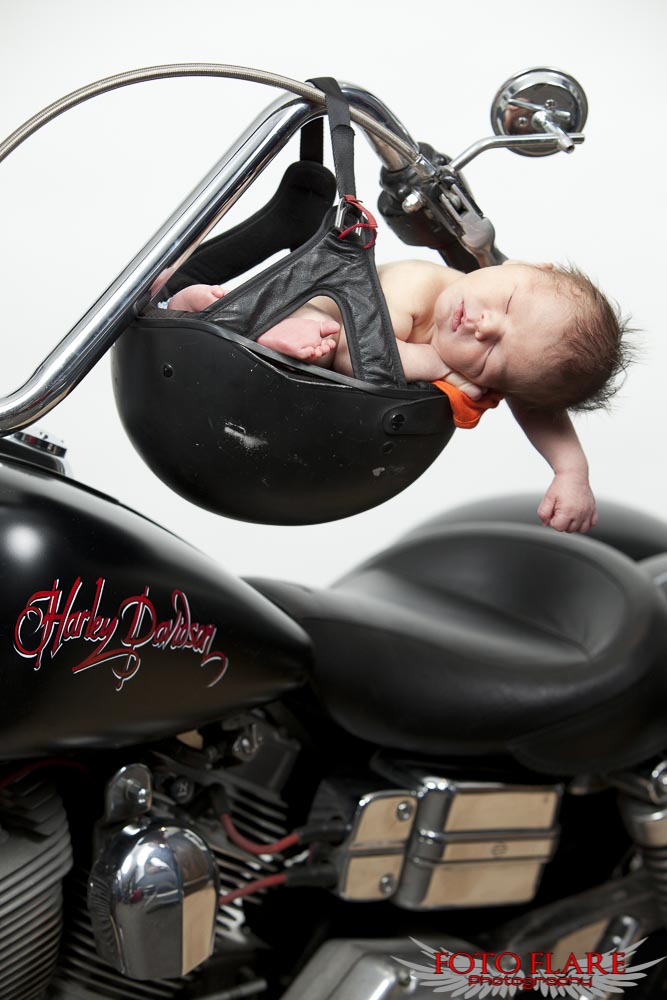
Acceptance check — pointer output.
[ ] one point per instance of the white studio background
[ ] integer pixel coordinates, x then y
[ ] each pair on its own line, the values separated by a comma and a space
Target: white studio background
79, 199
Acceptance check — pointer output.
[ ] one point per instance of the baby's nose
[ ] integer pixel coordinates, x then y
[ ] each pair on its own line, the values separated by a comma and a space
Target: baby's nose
486, 325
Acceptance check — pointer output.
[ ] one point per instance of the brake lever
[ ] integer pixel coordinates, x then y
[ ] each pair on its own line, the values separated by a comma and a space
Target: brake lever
447, 199
477, 233
429, 205
444, 192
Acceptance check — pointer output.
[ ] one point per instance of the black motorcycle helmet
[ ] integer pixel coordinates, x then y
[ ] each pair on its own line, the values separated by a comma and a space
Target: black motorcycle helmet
243, 431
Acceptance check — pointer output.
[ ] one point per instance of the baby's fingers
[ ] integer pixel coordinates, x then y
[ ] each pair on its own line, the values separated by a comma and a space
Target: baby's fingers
472, 391
461, 382
562, 522
545, 510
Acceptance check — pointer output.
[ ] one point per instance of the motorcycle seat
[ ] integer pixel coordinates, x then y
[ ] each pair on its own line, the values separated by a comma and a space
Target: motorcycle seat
628, 529
481, 638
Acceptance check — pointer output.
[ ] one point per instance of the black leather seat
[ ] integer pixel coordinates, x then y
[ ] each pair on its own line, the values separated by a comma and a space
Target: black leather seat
635, 532
493, 638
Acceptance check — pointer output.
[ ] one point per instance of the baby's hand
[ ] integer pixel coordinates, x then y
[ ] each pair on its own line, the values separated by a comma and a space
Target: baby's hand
471, 390
568, 504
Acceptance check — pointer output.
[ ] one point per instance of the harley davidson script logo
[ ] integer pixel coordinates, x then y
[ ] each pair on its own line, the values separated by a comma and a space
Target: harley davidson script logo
51, 619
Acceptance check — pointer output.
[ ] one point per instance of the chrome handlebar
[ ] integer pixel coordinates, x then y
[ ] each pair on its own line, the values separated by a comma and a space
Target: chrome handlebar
173, 243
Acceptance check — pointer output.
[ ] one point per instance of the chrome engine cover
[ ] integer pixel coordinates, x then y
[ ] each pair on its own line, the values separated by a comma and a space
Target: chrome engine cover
444, 844
364, 969
153, 900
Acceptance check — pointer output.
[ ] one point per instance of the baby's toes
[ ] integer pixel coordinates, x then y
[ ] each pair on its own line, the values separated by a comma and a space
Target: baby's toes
329, 326
328, 344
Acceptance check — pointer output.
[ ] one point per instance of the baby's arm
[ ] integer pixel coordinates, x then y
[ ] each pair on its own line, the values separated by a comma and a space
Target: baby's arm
568, 504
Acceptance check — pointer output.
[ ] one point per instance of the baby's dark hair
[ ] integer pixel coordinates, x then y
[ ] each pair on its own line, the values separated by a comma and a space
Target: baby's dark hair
589, 363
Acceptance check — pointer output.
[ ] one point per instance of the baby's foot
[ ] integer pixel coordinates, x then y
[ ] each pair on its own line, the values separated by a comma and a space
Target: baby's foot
305, 339
194, 298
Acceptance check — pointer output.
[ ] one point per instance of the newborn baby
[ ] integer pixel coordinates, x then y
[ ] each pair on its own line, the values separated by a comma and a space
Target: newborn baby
543, 337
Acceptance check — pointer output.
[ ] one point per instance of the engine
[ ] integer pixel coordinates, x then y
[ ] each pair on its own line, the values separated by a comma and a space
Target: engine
161, 901
50, 940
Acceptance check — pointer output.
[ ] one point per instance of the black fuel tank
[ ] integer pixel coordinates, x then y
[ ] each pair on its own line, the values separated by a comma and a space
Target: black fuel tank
114, 631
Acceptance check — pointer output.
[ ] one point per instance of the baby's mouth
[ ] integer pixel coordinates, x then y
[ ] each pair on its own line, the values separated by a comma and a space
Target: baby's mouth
457, 317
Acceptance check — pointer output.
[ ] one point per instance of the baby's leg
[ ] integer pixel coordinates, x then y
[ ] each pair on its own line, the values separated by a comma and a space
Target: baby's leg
309, 334
194, 298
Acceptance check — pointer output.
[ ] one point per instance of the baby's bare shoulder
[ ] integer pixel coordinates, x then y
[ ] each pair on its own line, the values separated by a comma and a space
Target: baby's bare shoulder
416, 269
417, 276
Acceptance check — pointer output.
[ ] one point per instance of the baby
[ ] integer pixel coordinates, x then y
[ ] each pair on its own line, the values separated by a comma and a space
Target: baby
544, 337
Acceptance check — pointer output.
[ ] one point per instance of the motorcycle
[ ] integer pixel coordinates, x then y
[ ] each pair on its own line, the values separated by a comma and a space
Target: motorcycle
224, 789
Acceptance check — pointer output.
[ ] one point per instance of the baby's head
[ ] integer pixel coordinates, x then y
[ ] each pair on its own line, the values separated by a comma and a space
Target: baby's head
545, 335
581, 368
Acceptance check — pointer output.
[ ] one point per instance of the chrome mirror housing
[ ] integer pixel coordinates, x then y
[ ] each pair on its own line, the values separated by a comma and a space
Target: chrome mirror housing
540, 101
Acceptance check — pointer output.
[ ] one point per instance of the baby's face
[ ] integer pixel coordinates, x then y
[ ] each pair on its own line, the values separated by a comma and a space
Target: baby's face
497, 325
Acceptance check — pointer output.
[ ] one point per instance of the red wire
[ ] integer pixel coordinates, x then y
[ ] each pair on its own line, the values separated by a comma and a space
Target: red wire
246, 890
9, 779
250, 846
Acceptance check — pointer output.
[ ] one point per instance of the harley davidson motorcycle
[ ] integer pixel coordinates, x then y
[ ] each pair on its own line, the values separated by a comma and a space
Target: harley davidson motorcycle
227, 789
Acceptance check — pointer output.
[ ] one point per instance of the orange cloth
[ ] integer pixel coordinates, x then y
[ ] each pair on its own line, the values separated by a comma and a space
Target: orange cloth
467, 411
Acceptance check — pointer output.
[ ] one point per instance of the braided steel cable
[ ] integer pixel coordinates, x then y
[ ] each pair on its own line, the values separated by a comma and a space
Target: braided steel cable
227, 71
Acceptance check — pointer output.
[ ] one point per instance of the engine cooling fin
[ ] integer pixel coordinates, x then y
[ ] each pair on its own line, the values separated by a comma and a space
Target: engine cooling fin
35, 856
83, 975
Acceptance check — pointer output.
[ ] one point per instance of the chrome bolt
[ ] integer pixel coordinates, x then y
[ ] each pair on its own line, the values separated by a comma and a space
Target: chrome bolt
521, 121
550, 104
663, 779
182, 789
403, 811
247, 743
404, 978
137, 793
412, 202
387, 884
